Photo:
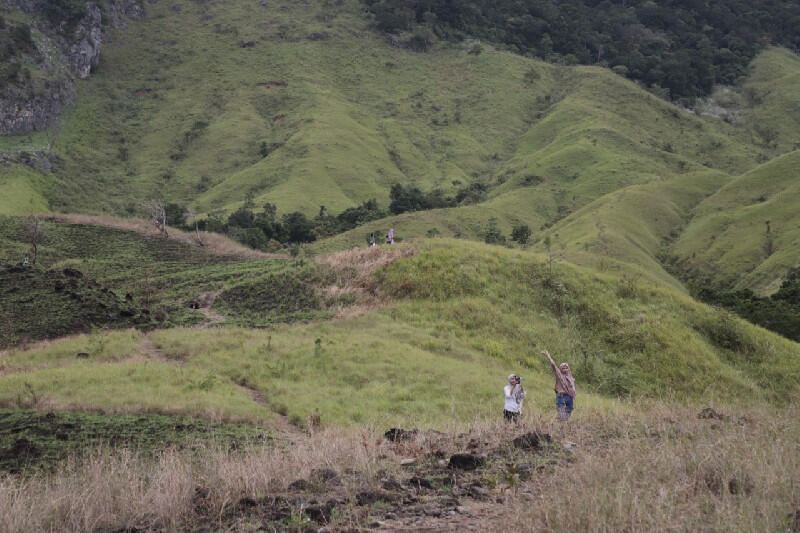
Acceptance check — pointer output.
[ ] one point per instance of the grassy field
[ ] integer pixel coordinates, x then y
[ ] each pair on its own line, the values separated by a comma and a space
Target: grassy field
747, 234
458, 313
133, 347
343, 115
98, 276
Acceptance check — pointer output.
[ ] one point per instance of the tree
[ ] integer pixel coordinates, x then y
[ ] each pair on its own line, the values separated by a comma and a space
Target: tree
175, 213
34, 234
521, 234
242, 218
493, 234
298, 227
191, 215
157, 213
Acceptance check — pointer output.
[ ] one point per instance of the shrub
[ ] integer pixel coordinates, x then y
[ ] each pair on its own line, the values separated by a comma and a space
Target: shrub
521, 234
493, 234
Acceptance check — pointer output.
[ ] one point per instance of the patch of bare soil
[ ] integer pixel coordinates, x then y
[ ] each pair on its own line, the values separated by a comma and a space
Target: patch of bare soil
203, 305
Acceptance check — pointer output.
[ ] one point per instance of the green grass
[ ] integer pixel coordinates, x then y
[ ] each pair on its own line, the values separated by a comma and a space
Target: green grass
727, 239
36, 305
100, 346
178, 108
24, 191
464, 316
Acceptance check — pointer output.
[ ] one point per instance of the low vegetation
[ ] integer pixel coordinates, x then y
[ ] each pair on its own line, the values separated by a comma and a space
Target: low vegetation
33, 440
458, 312
641, 466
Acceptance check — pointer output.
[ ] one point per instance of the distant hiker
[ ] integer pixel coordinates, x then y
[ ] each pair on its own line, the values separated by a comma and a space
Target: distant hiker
390, 237
372, 239
565, 388
26, 261
515, 393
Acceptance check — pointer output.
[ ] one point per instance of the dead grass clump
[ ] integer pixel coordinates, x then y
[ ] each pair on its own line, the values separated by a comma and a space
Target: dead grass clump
672, 473
100, 492
213, 243
350, 288
122, 490
660, 470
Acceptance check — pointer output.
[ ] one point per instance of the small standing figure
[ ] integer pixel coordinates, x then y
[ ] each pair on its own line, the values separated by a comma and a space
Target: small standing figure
372, 239
565, 388
514, 393
26, 262
390, 237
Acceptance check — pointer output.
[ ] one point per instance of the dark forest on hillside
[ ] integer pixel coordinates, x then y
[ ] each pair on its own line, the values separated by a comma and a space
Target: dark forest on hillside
680, 48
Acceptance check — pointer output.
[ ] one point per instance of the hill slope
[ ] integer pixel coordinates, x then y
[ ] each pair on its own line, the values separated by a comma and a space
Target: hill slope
747, 235
454, 313
209, 104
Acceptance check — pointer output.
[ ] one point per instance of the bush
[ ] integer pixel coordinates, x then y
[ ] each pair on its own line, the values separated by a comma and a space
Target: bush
404, 199
176, 214
521, 234
242, 218
493, 234
779, 312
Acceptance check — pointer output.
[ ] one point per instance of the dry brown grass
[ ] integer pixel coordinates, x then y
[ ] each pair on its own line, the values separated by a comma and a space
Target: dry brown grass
123, 490
351, 289
213, 243
667, 470
660, 470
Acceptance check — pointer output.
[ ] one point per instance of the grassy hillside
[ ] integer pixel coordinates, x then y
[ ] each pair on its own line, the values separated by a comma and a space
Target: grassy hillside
303, 107
728, 240
24, 190
461, 316
93, 276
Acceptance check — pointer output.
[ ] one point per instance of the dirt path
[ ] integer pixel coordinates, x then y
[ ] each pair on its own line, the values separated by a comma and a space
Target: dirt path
280, 424
213, 318
149, 349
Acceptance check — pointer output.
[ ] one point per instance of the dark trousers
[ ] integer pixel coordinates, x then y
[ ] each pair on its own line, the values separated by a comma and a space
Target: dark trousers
511, 416
565, 404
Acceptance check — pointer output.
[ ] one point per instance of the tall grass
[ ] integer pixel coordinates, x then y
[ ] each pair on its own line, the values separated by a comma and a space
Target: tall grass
657, 468
667, 470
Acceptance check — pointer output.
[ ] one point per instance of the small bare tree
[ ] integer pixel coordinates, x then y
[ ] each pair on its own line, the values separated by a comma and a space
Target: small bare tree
191, 214
33, 227
157, 212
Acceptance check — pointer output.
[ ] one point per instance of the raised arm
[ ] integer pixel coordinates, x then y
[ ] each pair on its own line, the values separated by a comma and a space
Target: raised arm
556, 371
552, 363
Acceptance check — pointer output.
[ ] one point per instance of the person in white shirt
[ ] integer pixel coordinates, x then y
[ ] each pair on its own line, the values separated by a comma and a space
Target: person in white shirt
514, 395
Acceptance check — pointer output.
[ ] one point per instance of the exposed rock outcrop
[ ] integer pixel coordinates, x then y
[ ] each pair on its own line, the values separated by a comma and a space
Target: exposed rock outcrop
64, 53
84, 52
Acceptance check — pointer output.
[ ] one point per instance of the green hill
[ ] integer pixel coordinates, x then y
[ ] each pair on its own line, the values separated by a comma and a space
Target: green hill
215, 106
453, 313
320, 110
747, 235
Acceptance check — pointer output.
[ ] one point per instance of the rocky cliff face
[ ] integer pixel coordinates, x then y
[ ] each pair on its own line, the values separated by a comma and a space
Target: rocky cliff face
84, 52
64, 55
